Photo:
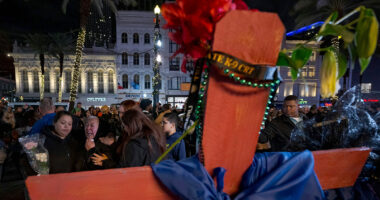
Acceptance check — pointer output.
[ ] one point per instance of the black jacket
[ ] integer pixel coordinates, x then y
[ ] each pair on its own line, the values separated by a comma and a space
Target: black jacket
100, 149
65, 155
138, 153
278, 132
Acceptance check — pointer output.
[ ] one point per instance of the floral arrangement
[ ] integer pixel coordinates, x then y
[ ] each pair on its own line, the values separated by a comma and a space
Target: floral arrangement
37, 154
194, 26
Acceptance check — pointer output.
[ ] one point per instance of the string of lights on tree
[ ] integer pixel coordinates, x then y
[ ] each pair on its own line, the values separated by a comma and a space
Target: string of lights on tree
78, 56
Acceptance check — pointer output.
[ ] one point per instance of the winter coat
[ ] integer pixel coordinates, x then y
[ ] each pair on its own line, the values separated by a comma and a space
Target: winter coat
138, 153
65, 155
278, 132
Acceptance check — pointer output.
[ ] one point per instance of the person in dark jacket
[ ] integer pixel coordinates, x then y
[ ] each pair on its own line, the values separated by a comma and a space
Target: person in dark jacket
169, 126
278, 131
142, 143
64, 151
94, 145
146, 108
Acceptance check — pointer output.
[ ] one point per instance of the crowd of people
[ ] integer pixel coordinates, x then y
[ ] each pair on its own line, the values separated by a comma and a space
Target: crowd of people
129, 135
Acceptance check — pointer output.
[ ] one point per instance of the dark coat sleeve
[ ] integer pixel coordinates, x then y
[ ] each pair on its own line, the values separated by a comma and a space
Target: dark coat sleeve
133, 155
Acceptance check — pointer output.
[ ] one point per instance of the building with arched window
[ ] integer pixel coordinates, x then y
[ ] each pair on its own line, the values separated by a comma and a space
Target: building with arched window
135, 80
97, 77
107, 73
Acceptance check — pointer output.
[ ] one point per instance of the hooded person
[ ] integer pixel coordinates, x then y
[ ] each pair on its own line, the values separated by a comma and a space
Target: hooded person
146, 108
94, 147
64, 151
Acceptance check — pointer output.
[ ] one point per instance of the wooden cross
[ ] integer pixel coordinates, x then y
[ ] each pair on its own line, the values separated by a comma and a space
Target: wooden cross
233, 116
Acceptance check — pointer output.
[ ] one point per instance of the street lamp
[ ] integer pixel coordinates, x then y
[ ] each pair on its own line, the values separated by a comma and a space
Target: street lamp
158, 59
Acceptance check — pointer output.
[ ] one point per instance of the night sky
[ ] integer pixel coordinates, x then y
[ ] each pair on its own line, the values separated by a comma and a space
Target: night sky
19, 17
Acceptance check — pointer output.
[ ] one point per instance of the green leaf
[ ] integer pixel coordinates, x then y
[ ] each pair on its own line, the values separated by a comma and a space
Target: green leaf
342, 64
283, 59
300, 56
364, 62
338, 30
332, 18
294, 72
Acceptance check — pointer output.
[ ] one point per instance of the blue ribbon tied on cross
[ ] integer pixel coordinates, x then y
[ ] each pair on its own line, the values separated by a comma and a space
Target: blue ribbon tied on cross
272, 175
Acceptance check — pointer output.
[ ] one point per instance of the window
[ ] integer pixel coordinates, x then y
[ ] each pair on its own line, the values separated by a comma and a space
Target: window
135, 38
124, 58
136, 82
57, 80
100, 82
124, 38
177, 101
36, 84
147, 81
174, 64
174, 83
311, 71
110, 82
288, 90
289, 72
147, 59
146, 38
125, 81
90, 82
67, 81
304, 71
189, 66
308, 89
25, 84
136, 60
47, 81
172, 46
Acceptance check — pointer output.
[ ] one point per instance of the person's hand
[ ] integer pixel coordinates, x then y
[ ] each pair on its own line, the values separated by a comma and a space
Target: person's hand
107, 140
89, 144
98, 159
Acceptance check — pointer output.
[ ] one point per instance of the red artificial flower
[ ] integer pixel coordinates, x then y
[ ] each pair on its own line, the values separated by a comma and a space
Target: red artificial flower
194, 23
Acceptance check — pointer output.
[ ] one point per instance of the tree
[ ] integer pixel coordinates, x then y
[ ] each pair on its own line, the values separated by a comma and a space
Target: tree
61, 44
85, 6
39, 43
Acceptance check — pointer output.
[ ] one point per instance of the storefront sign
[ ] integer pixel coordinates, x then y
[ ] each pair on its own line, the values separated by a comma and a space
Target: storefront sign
137, 96
370, 100
302, 102
92, 99
185, 86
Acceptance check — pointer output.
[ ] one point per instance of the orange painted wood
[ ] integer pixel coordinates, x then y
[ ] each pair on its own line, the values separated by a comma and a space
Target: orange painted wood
231, 127
234, 112
127, 183
254, 37
339, 168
